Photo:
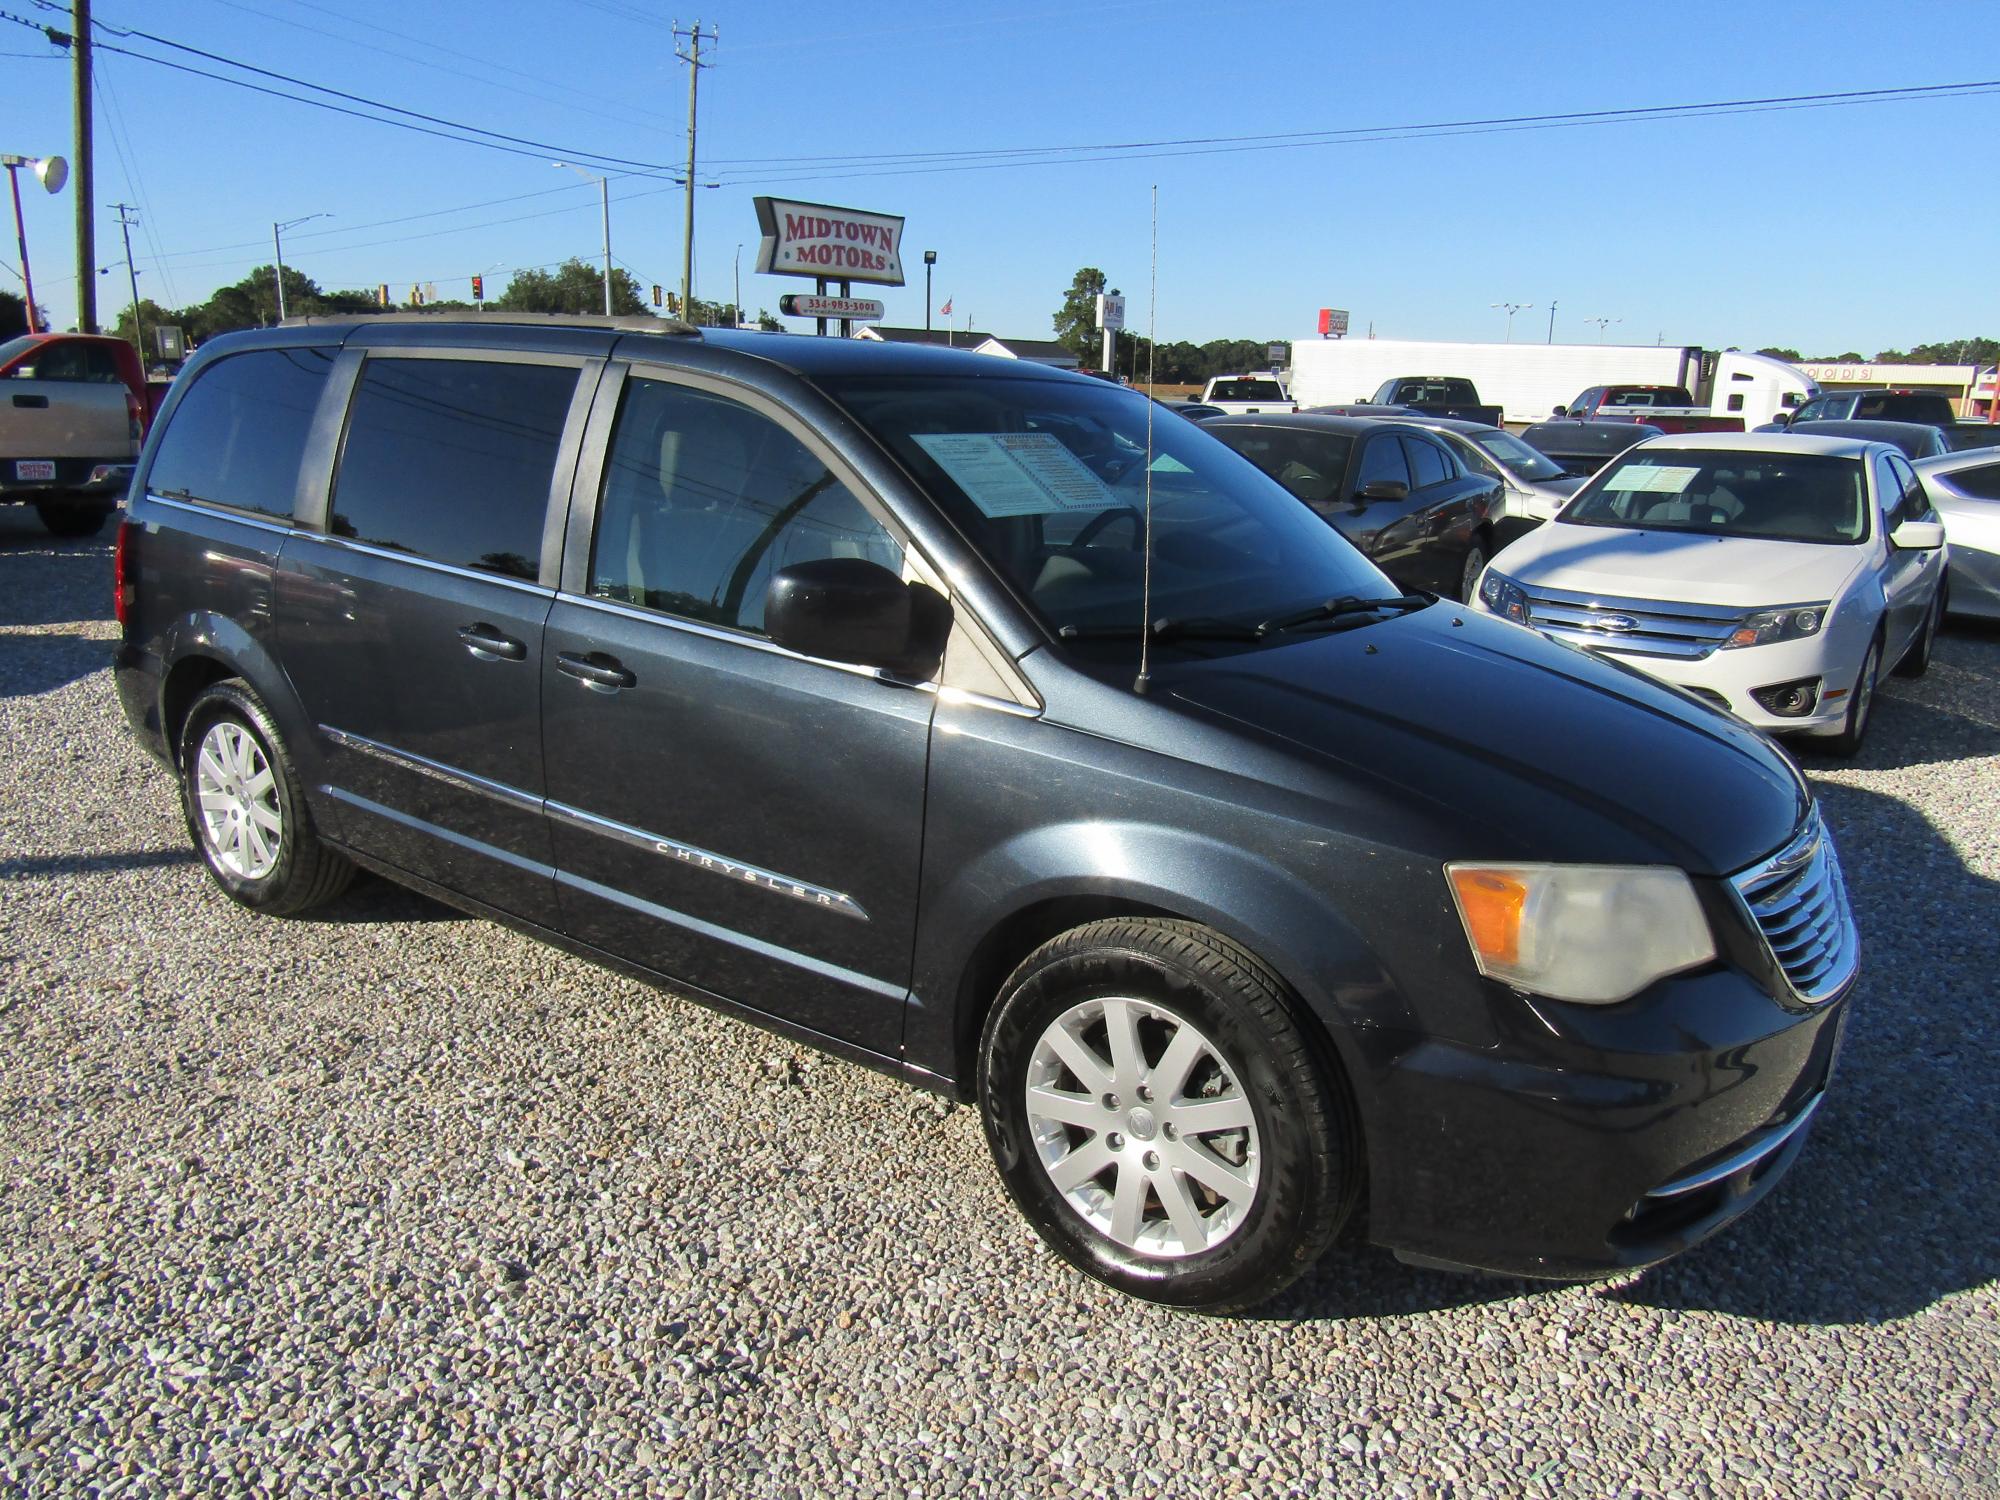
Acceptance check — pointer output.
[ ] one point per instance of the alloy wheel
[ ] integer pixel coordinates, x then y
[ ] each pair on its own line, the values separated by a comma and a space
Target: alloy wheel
1142, 1126
238, 797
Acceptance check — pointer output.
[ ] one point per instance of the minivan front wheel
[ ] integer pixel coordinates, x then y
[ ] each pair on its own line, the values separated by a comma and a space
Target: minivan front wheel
1157, 1111
245, 811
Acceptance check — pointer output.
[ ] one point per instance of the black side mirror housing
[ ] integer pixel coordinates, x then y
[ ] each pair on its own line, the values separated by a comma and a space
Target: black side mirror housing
1560, 411
1782, 418
1382, 489
852, 610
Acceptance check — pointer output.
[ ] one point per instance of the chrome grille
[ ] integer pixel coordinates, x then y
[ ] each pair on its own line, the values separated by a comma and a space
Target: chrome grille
1798, 900
1641, 627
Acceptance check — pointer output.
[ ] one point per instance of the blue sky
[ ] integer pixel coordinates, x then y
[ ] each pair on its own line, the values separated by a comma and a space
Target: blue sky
1824, 229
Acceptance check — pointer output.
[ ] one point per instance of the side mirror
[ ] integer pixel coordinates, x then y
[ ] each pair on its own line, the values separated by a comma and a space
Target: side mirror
1918, 536
852, 610
1382, 489
1781, 418
1560, 411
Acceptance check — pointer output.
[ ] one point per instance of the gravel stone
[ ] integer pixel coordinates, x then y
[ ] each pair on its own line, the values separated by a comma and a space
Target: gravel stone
391, 1201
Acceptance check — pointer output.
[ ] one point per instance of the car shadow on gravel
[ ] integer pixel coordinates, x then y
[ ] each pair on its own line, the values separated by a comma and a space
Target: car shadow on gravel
372, 899
35, 664
41, 578
43, 866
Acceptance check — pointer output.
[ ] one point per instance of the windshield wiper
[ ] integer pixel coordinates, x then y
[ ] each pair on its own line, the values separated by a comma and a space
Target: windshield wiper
1347, 604
1167, 628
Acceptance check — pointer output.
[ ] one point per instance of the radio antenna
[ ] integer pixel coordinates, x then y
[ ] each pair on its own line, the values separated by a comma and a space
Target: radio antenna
1144, 680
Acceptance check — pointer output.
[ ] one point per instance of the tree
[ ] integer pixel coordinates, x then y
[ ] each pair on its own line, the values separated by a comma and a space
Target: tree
151, 316
575, 286
14, 315
1791, 356
1076, 319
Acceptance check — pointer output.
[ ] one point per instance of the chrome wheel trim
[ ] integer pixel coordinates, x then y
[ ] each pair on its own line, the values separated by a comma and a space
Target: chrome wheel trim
1475, 564
236, 800
1150, 1165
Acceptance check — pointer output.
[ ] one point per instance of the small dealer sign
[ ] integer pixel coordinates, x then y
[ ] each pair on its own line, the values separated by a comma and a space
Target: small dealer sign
836, 244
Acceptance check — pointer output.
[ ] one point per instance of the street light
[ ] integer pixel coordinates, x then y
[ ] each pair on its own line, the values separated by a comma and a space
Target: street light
930, 259
604, 192
52, 172
1602, 324
1512, 308
278, 246
739, 284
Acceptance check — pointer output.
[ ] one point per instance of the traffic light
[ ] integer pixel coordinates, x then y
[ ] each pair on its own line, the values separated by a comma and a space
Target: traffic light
479, 289
382, 294
674, 303
416, 296
656, 294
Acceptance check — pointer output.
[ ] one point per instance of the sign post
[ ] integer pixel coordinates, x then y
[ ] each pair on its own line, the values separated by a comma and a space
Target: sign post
1111, 318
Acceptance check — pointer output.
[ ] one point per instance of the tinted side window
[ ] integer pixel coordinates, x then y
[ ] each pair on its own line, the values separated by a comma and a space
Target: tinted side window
61, 360
1916, 504
1983, 481
1382, 459
451, 460
704, 500
238, 434
101, 365
1428, 464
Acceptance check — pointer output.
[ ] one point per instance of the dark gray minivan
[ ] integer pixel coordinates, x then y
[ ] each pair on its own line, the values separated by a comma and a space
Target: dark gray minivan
997, 728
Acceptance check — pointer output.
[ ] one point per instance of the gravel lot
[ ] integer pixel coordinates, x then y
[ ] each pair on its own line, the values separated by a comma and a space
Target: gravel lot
396, 1202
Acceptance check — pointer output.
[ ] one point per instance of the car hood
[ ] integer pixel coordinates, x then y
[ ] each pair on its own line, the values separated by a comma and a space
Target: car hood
1522, 748
1679, 567
1559, 488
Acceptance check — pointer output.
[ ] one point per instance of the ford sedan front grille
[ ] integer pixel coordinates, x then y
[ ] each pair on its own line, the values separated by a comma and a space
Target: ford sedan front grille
1638, 627
1798, 899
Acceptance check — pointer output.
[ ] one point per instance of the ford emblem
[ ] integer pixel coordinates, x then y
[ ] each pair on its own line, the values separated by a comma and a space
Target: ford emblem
1622, 624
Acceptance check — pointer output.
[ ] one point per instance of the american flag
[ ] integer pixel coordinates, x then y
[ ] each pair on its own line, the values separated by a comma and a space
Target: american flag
945, 311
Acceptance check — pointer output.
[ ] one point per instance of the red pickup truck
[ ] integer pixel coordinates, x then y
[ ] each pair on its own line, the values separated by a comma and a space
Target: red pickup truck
1670, 408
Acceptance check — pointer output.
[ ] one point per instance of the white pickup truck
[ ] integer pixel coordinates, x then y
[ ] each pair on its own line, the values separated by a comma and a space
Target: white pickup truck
72, 416
1249, 395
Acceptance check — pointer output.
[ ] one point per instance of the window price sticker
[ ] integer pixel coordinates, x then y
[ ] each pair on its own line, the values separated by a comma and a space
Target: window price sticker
1016, 473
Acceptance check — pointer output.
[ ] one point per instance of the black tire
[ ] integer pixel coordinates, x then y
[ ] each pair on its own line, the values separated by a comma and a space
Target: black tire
1307, 1138
1917, 660
306, 872
1860, 705
71, 520
1475, 564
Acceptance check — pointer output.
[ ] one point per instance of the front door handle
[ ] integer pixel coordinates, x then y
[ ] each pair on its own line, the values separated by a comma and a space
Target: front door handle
33, 403
604, 673
488, 644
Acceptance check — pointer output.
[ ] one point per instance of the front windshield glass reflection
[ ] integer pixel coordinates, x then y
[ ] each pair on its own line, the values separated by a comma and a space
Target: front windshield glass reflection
1048, 478
1787, 497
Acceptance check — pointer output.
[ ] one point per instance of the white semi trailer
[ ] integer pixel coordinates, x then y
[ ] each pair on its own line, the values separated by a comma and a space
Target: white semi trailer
1529, 381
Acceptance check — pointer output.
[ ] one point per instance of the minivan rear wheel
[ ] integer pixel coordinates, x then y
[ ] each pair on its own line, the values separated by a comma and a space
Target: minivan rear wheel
245, 811
1160, 1115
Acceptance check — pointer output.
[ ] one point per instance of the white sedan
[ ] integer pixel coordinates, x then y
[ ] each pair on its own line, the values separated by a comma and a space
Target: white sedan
1768, 574
1965, 488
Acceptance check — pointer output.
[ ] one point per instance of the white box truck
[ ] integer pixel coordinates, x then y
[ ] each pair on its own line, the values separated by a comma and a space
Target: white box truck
1529, 381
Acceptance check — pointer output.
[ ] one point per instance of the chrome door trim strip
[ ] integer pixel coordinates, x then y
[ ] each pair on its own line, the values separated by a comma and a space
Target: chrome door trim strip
1749, 1156
433, 830
450, 776
348, 544
716, 864
223, 512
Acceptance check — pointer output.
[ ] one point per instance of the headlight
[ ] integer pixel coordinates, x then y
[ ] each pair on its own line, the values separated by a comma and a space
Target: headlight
1503, 596
1793, 622
1596, 934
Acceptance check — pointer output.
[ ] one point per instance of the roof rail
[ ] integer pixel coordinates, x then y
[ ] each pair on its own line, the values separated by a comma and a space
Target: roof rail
629, 322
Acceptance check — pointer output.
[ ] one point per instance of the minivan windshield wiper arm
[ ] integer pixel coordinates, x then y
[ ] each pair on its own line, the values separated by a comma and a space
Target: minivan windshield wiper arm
1166, 628
1347, 604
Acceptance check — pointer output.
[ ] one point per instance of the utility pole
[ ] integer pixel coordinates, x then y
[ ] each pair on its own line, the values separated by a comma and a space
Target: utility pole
125, 223
692, 57
1552, 322
86, 186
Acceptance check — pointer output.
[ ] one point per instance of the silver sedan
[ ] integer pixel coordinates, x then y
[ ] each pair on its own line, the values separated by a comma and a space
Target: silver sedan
1965, 487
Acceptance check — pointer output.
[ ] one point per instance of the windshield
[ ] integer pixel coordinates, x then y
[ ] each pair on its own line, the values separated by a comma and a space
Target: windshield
1786, 497
1246, 390
1047, 478
1516, 457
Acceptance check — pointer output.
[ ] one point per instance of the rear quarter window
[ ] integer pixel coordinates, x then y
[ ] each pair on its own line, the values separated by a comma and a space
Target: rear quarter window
238, 434
1982, 481
452, 459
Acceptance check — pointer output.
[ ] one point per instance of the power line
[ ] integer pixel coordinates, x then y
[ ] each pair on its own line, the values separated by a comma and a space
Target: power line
541, 147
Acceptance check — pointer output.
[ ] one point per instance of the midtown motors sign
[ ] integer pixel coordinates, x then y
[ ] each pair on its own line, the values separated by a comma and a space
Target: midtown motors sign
839, 244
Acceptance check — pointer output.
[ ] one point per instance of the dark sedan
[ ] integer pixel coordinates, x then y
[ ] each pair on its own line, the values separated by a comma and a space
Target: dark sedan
1916, 439
1396, 491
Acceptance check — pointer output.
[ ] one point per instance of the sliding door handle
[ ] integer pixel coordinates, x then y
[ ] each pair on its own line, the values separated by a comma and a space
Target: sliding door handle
605, 673
488, 644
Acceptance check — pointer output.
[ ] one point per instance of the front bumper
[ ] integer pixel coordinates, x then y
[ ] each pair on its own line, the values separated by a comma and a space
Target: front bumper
1730, 679
1595, 1140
